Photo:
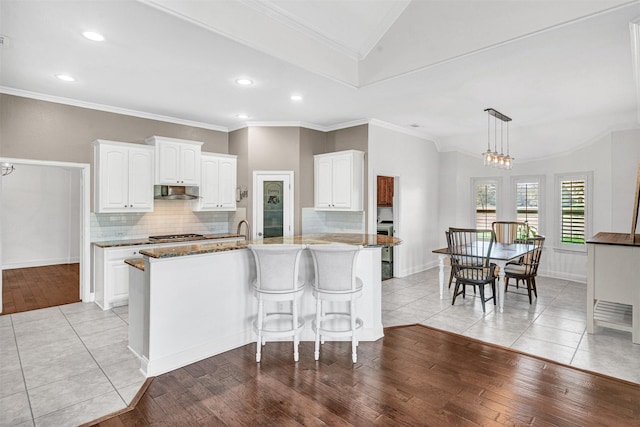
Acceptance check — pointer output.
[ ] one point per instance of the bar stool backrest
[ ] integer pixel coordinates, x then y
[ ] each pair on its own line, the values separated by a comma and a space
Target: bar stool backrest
335, 267
277, 267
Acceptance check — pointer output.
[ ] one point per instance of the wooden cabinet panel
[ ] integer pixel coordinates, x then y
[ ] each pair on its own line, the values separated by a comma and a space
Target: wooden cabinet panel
385, 191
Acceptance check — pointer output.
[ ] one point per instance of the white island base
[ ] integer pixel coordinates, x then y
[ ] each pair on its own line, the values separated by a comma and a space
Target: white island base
183, 309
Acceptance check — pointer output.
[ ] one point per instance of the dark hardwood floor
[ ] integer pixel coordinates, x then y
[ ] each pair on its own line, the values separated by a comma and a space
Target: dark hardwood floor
25, 289
414, 376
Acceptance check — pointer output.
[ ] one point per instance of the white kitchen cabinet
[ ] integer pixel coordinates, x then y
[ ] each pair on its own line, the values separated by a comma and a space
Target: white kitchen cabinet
123, 180
338, 181
111, 274
218, 183
177, 161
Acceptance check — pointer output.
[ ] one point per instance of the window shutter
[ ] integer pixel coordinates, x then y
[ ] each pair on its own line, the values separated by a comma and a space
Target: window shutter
573, 204
485, 205
527, 202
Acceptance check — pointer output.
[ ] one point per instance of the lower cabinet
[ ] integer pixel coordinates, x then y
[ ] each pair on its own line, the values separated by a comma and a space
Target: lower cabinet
111, 274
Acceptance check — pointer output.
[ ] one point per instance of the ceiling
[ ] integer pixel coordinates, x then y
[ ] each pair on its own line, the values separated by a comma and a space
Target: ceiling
565, 71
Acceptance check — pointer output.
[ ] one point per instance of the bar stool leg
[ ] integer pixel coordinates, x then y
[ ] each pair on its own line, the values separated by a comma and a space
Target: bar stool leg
259, 342
354, 344
294, 325
316, 353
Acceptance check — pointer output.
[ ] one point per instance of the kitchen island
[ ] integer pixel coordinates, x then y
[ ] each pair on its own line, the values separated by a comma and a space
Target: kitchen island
193, 301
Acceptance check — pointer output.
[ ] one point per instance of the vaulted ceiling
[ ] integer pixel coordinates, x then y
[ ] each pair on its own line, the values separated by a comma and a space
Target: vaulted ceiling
564, 70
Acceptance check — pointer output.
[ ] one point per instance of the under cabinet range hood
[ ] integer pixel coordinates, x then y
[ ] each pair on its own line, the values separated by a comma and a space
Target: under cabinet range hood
175, 192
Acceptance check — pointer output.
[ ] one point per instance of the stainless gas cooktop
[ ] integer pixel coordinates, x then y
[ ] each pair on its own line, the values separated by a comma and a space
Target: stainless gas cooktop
176, 237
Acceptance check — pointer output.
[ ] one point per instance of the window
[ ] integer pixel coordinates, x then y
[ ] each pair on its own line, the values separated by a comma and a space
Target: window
485, 203
574, 210
528, 197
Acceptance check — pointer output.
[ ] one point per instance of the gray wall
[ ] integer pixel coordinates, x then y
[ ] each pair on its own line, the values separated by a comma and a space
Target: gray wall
289, 149
354, 138
41, 130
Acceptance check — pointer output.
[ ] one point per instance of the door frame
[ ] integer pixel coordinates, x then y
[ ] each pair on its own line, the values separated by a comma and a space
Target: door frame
288, 194
397, 204
85, 231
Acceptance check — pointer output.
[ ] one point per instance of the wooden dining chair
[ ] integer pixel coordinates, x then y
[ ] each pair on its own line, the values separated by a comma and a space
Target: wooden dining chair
527, 270
469, 251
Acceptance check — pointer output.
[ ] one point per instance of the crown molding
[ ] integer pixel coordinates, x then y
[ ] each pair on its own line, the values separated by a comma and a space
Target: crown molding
410, 132
279, 14
306, 125
108, 108
209, 126
587, 142
345, 125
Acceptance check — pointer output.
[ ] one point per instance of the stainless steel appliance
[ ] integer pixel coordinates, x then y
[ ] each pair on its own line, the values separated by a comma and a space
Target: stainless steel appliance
386, 228
175, 192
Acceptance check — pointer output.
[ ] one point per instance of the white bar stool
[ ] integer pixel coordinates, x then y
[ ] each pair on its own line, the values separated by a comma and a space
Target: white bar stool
277, 281
336, 284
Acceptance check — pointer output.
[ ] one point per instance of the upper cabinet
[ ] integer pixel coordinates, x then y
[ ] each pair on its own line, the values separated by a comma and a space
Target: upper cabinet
338, 181
177, 161
218, 183
123, 177
385, 191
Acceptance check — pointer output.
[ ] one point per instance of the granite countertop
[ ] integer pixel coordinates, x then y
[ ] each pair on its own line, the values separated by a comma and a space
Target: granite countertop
367, 240
137, 263
147, 241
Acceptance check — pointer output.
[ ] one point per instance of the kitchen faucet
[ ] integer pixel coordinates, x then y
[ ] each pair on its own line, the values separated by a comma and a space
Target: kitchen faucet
247, 236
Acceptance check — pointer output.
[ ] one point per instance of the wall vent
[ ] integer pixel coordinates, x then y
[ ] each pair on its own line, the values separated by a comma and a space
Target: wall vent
4, 40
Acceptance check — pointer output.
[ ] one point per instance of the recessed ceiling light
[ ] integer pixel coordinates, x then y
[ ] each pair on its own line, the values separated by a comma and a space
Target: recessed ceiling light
242, 116
65, 77
296, 97
244, 81
92, 35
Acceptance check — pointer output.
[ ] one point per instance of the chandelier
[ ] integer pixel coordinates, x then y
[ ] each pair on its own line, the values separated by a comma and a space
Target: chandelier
492, 158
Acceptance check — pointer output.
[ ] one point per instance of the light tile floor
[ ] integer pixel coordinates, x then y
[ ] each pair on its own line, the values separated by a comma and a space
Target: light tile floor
553, 326
64, 366
67, 365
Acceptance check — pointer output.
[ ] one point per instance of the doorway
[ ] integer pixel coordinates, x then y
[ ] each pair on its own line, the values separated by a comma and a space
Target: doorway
78, 219
387, 203
273, 203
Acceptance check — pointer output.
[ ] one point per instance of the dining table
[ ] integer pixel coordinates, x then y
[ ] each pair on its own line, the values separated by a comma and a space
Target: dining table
500, 255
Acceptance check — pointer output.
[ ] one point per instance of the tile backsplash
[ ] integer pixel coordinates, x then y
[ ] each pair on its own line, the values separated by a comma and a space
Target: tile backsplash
332, 222
168, 217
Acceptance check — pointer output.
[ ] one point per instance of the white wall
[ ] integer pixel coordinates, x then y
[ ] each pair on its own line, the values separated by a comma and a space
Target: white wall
415, 162
40, 216
625, 156
613, 160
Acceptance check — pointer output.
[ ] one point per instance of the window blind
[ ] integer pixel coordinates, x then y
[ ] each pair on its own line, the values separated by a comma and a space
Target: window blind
573, 212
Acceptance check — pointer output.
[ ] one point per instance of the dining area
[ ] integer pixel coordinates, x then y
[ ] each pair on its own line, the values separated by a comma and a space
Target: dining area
487, 260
